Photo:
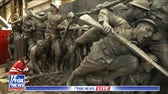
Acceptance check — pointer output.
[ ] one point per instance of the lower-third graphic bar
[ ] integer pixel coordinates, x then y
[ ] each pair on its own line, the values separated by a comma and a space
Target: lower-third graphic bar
92, 88
48, 88
135, 88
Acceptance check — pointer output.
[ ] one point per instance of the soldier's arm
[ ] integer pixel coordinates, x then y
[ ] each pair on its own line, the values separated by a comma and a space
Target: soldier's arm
90, 36
62, 25
33, 59
160, 49
10, 37
105, 16
39, 17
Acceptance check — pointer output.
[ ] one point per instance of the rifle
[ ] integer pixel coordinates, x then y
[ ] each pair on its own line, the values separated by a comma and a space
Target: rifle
65, 33
89, 20
77, 27
4, 22
107, 5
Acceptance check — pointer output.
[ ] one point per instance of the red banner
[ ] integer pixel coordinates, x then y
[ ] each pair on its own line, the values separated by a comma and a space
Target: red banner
4, 55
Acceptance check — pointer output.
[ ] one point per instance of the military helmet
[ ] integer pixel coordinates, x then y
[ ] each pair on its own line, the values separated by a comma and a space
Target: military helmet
148, 21
70, 15
144, 4
54, 5
41, 14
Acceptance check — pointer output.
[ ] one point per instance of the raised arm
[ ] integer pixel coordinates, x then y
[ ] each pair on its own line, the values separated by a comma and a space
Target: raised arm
107, 17
36, 16
63, 25
40, 17
90, 36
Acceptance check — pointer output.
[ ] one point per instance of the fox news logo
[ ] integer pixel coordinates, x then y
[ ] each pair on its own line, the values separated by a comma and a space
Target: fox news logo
16, 82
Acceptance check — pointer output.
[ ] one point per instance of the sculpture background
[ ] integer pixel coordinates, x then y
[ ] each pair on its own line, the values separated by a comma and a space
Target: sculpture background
60, 79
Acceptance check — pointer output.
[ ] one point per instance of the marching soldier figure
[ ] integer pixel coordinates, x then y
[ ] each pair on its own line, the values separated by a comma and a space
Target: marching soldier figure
28, 28
10, 39
19, 43
68, 38
38, 56
52, 18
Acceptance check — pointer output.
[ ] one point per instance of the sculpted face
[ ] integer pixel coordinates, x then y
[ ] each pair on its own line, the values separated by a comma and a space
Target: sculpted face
143, 31
70, 20
16, 17
53, 9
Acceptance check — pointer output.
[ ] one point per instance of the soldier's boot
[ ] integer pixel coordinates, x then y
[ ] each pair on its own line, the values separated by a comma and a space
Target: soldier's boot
56, 69
57, 64
61, 66
63, 60
72, 62
44, 63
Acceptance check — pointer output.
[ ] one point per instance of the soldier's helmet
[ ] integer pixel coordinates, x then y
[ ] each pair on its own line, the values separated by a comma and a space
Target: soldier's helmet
143, 4
41, 14
55, 6
71, 15
148, 21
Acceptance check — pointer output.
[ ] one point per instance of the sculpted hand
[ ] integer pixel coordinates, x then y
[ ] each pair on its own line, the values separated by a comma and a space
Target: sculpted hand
107, 28
99, 6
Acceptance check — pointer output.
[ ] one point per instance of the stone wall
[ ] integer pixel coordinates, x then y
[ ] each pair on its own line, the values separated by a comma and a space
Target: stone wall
80, 6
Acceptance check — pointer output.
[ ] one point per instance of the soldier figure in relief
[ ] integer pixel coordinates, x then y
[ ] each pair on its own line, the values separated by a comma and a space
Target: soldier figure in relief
108, 53
53, 19
68, 38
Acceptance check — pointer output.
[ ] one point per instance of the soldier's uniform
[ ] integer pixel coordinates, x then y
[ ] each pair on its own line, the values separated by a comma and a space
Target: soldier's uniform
38, 56
28, 27
19, 43
158, 44
69, 37
107, 53
40, 27
159, 14
106, 50
52, 20
10, 39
